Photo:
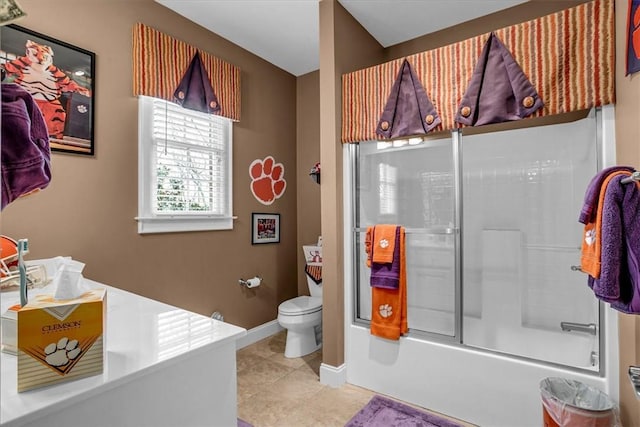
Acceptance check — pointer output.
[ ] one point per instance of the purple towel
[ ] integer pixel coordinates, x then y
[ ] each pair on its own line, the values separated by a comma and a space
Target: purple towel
619, 281
590, 207
387, 275
25, 155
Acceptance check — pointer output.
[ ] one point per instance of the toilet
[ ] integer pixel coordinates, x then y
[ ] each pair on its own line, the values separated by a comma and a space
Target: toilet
302, 318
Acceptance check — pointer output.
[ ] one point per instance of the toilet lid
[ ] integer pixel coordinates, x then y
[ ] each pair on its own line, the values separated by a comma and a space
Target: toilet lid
301, 305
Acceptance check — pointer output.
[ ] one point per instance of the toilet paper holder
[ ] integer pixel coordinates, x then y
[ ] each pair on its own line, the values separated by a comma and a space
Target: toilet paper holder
254, 282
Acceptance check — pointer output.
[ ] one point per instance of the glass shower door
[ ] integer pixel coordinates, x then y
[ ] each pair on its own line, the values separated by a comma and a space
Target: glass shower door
522, 192
411, 183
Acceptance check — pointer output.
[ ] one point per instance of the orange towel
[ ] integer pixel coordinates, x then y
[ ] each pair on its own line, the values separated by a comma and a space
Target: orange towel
389, 306
384, 243
591, 247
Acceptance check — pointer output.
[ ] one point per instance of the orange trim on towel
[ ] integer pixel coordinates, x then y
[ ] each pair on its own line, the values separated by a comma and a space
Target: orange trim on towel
389, 306
591, 246
384, 243
367, 245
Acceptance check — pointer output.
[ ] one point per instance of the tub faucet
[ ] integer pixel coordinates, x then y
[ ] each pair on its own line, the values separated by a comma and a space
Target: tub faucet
589, 328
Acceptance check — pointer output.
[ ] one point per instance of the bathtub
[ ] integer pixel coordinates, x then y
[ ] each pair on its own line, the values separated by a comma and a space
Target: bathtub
477, 386
572, 349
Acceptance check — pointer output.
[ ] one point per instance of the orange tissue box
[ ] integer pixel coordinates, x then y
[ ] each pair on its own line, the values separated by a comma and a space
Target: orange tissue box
61, 340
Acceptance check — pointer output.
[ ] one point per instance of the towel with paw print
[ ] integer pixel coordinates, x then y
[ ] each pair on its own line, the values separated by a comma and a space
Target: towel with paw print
385, 270
389, 304
591, 248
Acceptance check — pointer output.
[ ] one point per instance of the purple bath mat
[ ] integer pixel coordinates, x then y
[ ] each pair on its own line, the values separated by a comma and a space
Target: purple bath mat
242, 423
383, 412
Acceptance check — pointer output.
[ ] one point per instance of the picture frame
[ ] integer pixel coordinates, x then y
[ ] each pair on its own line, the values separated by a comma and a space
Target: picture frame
265, 228
68, 106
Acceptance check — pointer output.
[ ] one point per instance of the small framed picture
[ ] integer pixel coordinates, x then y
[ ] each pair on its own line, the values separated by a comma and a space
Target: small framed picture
62, 84
265, 228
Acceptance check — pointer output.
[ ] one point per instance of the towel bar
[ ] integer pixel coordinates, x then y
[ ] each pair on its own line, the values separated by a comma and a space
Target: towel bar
589, 328
445, 230
634, 177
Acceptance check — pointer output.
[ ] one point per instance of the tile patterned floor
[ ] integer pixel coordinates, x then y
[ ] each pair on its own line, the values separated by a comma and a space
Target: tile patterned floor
274, 391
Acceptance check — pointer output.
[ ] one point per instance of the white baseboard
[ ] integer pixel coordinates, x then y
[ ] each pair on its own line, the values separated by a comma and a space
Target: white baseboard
259, 333
333, 376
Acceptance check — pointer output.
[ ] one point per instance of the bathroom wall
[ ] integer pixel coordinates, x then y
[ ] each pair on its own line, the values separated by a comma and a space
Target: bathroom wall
88, 210
307, 154
344, 46
628, 153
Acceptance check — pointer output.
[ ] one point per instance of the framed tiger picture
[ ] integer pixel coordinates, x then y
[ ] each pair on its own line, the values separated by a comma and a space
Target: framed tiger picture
60, 78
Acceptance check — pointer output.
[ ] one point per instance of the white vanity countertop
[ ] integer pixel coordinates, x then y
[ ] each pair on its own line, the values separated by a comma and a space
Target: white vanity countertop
142, 336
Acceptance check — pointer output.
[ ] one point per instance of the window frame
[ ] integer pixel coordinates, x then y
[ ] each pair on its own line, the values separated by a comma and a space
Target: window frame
151, 222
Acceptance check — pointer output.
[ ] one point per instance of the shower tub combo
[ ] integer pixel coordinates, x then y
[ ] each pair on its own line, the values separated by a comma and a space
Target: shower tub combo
496, 298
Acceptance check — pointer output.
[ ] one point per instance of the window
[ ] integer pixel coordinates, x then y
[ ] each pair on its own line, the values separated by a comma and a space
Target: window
184, 169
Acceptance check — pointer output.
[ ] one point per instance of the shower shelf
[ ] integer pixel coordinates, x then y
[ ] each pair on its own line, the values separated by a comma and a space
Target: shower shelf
634, 377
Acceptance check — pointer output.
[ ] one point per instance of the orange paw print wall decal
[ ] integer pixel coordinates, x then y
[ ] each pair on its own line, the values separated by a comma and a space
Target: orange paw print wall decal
267, 180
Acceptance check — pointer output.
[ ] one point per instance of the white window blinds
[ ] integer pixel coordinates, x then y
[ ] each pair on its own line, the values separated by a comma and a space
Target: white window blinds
186, 163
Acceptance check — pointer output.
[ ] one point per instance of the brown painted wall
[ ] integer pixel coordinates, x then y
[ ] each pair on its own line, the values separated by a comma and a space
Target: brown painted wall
628, 153
308, 153
344, 46
88, 210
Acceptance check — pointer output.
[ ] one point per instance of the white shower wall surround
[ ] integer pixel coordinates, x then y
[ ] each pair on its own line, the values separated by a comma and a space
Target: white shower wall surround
492, 234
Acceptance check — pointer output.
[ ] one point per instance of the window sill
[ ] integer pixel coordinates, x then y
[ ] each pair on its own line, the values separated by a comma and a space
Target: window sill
152, 225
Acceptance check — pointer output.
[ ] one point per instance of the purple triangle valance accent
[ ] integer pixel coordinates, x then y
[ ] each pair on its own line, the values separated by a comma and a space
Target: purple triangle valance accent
194, 90
498, 91
408, 110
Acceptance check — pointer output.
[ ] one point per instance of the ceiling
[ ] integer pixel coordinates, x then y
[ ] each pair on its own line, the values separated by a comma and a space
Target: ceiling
285, 32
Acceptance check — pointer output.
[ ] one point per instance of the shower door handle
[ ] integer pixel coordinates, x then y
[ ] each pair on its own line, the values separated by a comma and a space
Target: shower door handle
589, 328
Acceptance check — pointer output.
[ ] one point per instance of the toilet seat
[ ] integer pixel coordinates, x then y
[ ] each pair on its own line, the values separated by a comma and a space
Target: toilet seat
300, 305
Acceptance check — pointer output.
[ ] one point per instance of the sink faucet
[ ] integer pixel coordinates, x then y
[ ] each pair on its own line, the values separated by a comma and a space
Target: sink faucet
589, 328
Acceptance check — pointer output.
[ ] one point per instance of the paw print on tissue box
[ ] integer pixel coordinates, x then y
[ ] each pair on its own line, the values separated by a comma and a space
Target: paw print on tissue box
60, 340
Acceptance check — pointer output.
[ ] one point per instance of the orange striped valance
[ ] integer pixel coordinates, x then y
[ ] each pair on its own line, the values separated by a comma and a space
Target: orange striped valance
160, 61
568, 57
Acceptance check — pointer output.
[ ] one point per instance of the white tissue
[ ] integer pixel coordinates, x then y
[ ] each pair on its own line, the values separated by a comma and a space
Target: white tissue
68, 278
253, 282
